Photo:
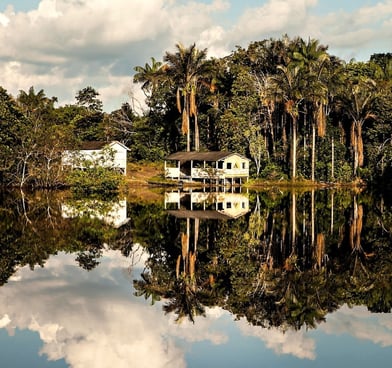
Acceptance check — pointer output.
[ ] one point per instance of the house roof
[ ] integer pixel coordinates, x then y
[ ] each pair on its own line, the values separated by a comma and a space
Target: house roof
97, 145
201, 156
92, 145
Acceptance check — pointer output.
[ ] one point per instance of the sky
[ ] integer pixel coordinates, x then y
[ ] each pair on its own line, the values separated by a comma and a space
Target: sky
63, 46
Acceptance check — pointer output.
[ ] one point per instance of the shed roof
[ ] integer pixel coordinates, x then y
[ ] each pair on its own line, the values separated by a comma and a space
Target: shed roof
201, 156
92, 145
98, 145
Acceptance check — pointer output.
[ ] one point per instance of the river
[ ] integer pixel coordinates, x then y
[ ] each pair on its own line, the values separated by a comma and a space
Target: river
196, 279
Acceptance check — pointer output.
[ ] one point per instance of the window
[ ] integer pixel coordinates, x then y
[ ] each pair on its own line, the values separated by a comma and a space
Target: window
244, 165
220, 164
228, 205
228, 165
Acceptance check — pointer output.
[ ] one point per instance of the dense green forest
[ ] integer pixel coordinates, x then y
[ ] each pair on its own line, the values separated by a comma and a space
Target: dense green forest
295, 110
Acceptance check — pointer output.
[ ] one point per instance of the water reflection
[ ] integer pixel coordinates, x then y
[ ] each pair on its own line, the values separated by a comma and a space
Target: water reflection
113, 212
294, 258
207, 205
291, 267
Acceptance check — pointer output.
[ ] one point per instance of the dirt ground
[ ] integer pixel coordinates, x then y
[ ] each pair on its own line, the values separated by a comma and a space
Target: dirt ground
142, 173
139, 176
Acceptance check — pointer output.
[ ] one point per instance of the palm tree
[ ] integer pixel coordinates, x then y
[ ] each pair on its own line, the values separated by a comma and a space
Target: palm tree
357, 103
149, 75
186, 68
34, 104
288, 87
312, 58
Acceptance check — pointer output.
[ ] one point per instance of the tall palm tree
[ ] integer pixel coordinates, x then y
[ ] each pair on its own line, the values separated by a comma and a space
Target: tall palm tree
312, 58
288, 87
149, 75
34, 104
357, 103
187, 67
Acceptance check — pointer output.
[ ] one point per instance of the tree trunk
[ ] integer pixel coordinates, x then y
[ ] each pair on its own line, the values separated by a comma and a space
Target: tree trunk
332, 159
293, 221
294, 150
313, 214
197, 139
313, 150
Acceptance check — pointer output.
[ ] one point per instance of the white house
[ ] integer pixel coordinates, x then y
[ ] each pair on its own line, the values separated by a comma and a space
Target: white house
108, 154
212, 165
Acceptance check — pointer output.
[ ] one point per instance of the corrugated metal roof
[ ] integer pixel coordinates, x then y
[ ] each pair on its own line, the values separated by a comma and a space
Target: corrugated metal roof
201, 156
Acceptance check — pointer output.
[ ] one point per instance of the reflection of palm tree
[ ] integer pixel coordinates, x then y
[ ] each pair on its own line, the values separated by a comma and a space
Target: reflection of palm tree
355, 231
185, 300
148, 288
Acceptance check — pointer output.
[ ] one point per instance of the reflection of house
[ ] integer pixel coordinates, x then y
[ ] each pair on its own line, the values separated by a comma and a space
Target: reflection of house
112, 213
213, 205
108, 154
216, 166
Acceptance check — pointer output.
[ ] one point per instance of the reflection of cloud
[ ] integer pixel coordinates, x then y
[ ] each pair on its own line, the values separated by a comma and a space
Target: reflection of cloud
82, 318
203, 331
361, 324
282, 342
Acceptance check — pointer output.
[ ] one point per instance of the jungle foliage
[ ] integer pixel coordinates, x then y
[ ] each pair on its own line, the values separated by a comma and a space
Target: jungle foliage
296, 110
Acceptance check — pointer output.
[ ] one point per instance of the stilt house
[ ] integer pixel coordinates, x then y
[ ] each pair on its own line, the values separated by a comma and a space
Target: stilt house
216, 166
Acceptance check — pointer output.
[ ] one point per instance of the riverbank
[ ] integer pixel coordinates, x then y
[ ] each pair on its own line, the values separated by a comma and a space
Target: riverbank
152, 174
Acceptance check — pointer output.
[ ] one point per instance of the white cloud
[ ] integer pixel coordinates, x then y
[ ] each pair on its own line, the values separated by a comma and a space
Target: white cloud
4, 20
62, 46
274, 18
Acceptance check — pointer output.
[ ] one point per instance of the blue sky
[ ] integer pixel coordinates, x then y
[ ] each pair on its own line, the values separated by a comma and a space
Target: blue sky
62, 46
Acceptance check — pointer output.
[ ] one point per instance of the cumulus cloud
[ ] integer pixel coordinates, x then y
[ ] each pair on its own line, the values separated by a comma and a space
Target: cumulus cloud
276, 17
63, 46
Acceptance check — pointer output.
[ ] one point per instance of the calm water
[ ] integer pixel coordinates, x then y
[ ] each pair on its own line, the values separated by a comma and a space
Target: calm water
268, 279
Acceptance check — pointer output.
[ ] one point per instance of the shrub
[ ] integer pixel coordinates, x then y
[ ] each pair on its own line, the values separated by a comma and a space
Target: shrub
95, 180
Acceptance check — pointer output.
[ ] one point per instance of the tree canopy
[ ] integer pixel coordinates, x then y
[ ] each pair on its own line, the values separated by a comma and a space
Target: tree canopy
294, 109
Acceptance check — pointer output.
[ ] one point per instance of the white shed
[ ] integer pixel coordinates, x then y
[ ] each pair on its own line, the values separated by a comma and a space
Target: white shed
96, 152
